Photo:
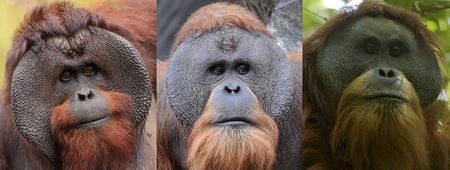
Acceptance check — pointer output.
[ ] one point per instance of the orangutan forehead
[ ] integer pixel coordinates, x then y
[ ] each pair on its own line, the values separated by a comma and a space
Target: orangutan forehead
228, 39
71, 46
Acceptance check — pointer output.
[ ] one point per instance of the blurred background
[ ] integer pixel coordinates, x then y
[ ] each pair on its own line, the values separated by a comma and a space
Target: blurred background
281, 17
435, 12
12, 13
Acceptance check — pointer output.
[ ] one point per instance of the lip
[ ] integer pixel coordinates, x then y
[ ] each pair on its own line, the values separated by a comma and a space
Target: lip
234, 121
388, 96
94, 123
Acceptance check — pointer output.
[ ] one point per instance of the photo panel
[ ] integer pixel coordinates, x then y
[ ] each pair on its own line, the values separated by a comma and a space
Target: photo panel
229, 84
78, 84
375, 84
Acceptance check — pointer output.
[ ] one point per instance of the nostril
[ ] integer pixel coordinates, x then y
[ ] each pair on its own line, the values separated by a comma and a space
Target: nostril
232, 90
237, 89
390, 73
381, 72
228, 89
90, 94
81, 97
85, 94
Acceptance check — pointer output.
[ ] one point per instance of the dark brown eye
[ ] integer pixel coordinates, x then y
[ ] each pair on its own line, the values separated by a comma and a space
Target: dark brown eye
396, 51
89, 71
242, 69
218, 70
370, 48
66, 76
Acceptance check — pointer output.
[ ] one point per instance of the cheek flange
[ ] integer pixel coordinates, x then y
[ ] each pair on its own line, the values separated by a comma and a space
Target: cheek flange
188, 89
34, 92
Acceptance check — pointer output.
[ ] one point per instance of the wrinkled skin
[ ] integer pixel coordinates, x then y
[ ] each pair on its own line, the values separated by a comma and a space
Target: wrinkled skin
366, 46
234, 61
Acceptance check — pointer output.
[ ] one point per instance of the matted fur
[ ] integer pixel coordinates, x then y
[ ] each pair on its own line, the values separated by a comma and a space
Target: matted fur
223, 148
380, 134
109, 146
215, 16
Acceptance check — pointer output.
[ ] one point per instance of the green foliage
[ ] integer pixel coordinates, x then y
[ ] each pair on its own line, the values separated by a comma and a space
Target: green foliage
314, 14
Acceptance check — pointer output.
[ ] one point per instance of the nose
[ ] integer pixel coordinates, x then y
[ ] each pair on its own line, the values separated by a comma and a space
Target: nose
386, 76
387, 73
88, 105
233, 99
232, 88
85, 94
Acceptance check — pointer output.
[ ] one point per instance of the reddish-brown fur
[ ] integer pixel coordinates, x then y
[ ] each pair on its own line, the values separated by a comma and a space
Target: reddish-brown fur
167, 123
133, 20
318, 122
110, 146
387, 134
220, 148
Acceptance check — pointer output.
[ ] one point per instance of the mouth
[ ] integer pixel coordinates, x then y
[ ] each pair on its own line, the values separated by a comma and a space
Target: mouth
95, 122
234, 121
388, 97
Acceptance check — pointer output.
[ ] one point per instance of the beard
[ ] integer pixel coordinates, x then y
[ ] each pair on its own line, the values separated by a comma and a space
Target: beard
109, 146
226, 147
380, 134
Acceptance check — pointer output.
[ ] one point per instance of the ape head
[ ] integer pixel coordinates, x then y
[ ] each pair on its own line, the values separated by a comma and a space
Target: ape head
369, 74
229, 83
78, 90
375, 36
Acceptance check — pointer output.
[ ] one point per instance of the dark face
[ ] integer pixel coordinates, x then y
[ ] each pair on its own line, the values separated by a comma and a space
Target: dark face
231, 65
375, 42
78, 70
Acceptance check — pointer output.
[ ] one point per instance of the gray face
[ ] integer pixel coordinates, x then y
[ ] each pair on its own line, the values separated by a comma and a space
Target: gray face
371, 42
41, 81
229, 56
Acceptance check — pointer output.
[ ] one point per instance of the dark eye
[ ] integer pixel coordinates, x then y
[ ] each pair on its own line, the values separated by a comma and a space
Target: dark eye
242, 69
89, 71
218, 70
395, 51
66, 76
370, 48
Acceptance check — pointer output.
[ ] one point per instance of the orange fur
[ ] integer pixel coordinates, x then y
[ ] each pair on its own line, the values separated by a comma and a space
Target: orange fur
221, 148
109, 146
165, 122
215, 16
295, 57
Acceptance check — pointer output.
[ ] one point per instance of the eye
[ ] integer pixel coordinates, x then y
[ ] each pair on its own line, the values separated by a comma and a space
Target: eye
218, 70
89, 71
396, 51
242, 69
66, 76
370, 48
